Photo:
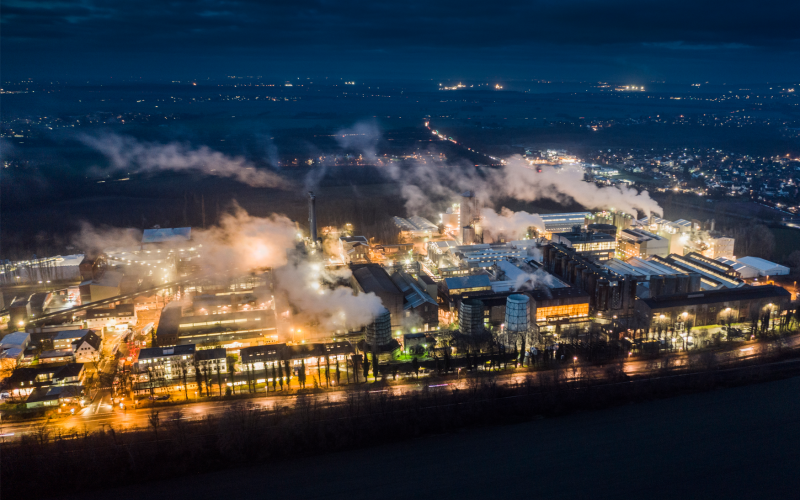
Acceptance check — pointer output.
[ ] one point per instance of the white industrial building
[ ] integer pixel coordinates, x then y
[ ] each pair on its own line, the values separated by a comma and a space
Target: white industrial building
416, 226
753, 267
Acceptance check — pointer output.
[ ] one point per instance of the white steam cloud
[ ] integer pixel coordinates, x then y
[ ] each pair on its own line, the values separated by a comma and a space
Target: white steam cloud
314, 292
243, 243
130, 155
538, 279
518, 180
95, 240
427, 183
508, 224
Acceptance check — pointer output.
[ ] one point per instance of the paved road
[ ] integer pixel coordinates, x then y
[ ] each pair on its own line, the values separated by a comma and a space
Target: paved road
101, 412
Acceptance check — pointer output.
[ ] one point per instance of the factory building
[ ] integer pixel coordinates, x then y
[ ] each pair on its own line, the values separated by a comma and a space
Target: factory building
447, 259
44, 270
420, 310
167, 235
470, 219
763, 267
453, 287
689, 236
353, 249
620, 220
372, 278
681, 312
655, 279
609, 229
258, 358
640, 243
563, 222
608, 291
230, 319
120, 317
596, 246
159, 366
103, 286
713, 274
415, 227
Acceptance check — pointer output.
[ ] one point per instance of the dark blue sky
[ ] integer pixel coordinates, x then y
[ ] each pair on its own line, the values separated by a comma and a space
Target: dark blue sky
619, 40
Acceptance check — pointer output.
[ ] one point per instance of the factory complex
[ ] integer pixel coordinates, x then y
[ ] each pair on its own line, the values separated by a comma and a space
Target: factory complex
571, 277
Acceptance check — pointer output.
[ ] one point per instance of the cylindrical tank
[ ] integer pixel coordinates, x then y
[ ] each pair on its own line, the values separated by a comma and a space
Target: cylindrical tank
517, 313
470, 317
379, 332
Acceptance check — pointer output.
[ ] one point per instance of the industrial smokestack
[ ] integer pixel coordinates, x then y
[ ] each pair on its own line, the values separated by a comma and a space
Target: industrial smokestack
312, 217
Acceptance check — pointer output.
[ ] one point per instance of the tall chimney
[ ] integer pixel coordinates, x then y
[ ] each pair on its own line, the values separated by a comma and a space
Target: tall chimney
312, 217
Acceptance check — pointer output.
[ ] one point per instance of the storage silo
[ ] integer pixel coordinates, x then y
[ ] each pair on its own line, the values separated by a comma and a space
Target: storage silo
517, 313
379, 332
470, 317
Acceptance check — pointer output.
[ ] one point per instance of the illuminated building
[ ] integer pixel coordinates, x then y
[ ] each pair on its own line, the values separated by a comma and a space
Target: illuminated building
552, 310
372, 278
415, 227
681, 312
640, 243
599, 246
608, 291
558, 223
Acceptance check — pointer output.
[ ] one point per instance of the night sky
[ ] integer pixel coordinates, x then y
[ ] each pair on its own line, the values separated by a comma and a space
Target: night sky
617, 40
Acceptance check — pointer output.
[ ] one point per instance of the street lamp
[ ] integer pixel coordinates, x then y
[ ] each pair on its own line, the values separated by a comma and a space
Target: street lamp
686, 331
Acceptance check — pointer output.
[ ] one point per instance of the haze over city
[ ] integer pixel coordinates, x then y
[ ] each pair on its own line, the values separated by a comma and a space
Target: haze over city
240, 241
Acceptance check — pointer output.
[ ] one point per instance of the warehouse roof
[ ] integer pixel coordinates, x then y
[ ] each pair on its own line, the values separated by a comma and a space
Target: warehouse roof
374, 278
714, 296
164, 235
474, 281
762, 265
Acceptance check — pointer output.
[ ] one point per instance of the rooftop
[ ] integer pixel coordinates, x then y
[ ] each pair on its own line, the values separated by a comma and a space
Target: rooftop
760, 264
161, 352
374, 278
765, 292
474, 281
71, 334
165, 235
15, 339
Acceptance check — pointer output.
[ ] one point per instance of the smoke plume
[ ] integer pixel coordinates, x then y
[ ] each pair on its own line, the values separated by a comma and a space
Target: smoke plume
427, 183
313, 290
518, 180
539, 279
129, 155
243, 242
95, 240
508, 224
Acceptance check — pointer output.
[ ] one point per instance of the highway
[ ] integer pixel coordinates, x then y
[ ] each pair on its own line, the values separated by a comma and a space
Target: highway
101, 412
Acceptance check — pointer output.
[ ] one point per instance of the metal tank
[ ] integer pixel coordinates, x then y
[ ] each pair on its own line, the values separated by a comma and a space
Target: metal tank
470, 317
517, 313
379, 332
